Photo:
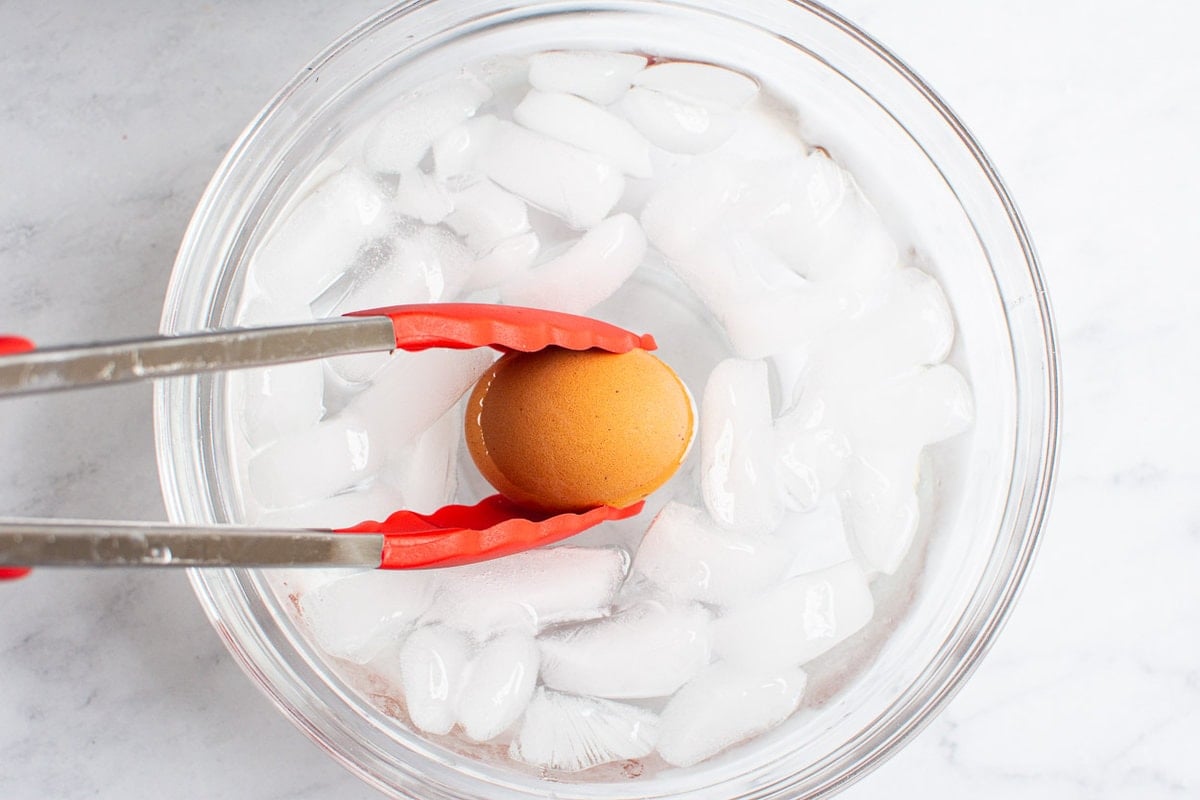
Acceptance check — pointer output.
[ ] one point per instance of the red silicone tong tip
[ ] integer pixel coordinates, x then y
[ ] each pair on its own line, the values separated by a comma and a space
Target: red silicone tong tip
11, 345
462, 326
494, 527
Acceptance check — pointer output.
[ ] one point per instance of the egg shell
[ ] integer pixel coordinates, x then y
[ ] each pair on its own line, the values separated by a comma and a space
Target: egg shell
561, 430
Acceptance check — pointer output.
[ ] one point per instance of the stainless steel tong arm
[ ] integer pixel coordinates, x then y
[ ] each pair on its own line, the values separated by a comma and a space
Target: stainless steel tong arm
58, 368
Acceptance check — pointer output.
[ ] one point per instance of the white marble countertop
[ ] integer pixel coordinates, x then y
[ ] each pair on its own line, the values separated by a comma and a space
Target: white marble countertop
112, 117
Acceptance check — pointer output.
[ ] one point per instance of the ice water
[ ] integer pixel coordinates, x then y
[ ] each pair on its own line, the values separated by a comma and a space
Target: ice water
665, 196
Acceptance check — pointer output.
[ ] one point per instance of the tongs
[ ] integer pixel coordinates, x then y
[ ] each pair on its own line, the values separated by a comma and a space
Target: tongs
450, 536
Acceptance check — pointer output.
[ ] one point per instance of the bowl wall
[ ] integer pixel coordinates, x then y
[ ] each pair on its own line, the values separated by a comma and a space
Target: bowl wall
932, 185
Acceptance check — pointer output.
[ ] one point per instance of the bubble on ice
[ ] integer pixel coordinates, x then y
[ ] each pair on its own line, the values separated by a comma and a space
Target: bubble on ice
320, 238
647, 650
570, 733
738, 479
280, 400
498, 685
504, 262
880, 507
573, 185
531, 590
333, 455
691, 558
797, 620
577, 122
355, 617
420, 196
587, 274
485, 215
402, 137
725, 705
430, 669
596, 76
415, 389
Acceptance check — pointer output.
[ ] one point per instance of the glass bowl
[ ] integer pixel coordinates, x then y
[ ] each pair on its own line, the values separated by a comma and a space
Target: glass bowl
929, 179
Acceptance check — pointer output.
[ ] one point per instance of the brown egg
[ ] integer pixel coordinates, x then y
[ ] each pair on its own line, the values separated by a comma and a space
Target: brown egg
561, 430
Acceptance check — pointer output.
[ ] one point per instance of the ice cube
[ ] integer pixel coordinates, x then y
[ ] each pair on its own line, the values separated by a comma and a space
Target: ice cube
486, 215
702, 84
909, 324
425, 472
686, 107
498, 685
319, 240
811, 460
415, 389
587, 274
729, 270
765, 132
599, 77
797, 620
531, 590
675, 125
424, 265
506, 75
738, 479
725, 705
333, 455
860, 251
922, 407
577, 122
504, 262
687, 207
786, 317
790, 200
880, 507
430, 668
456, 151
402, 137
358, 368
420, 196
817, 538
564, 180
278, 401
357, 616
763, 305
690, 557
813, 214
647, 650
570, 733
345, 510
258, 309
